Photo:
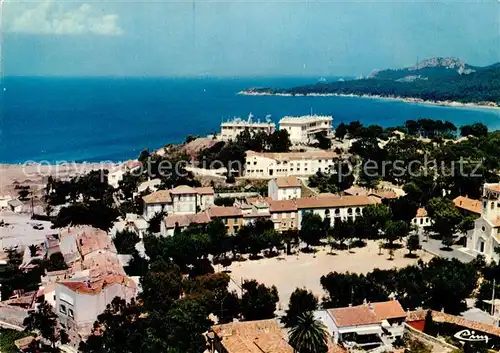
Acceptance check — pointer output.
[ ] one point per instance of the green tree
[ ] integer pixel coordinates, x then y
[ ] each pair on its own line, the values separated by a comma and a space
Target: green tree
55, 262
154, 224
445, 219
258, 301
308, 335
476, 129
340, 131
396, 230
125, 241
301, 301
413, 244
312, 229
44, 320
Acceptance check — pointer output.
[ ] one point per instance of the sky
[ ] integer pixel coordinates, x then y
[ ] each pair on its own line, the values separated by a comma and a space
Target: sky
241, 37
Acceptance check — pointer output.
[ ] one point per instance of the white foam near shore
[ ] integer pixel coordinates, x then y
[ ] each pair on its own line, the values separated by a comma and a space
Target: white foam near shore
454, 104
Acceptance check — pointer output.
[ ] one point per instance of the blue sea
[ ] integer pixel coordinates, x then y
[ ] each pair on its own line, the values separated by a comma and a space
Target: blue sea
98, 119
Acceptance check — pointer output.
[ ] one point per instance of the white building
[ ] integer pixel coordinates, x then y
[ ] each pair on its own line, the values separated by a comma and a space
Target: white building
421, 219
16, 205
182, 199
485, 236
232, 128
157, 202
80, 301
94, 278
366, 323
269, 165
303, 129
284, 188
334, 207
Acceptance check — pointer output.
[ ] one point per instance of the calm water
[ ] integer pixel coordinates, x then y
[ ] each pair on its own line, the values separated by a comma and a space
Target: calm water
114, 119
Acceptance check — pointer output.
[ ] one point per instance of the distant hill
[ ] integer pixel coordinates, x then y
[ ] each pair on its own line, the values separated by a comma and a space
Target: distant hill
434, 79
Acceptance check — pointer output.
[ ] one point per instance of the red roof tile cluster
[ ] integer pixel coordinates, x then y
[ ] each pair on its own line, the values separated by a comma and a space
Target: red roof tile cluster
467, 204
185, 220
334, 201
437, 316
95, 286
224, 211
354, 316
282, 206
288, 182
367, 314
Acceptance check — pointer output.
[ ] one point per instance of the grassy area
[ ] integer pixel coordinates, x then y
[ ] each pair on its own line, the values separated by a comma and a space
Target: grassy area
7, 338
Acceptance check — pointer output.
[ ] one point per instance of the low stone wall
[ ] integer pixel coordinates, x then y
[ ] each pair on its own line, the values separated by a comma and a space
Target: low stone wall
438, 346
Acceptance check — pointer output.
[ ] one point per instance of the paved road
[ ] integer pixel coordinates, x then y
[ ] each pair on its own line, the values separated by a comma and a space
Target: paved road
434, 246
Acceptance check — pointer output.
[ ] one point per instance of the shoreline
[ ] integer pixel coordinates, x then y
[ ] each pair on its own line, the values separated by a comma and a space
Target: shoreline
448, 104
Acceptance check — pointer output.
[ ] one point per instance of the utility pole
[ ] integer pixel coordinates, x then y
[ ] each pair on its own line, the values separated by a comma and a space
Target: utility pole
493, 299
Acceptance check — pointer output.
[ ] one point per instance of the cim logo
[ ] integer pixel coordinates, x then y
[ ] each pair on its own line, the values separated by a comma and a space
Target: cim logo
470, 336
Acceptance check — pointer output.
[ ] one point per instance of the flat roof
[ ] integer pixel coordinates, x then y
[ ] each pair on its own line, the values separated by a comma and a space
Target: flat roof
305, 119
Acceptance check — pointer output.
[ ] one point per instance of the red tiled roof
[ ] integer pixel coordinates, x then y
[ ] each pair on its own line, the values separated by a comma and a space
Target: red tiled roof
224, 211
388, 310
185, 220
160, 196
208, 190
334, 201
356, 191
288, 182
96, 286
354, 316
182, 189
493, 187
421, 212
437, 316
282, 206
467, 204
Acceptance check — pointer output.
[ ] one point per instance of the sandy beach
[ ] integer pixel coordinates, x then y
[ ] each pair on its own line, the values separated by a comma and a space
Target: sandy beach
36, 175
451, 104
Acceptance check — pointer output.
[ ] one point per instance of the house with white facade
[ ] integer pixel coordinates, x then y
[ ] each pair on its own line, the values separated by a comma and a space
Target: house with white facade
80, 301
334, 207
182, 199
365, 326
266, 165
157, 202
284, 188
284, 214
485, 236
181, 222
302, 129
94, 277
421, 219
232, 128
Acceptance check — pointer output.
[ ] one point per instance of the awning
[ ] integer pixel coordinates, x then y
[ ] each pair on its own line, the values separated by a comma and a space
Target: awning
360, 330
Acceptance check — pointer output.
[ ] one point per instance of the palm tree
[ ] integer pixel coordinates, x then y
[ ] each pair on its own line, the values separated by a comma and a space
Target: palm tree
308, 335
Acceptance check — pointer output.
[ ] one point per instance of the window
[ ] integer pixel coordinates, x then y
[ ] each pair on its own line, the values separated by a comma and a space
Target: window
421, 221
492, 205
62, 308
337, 212
349, 210
70, 313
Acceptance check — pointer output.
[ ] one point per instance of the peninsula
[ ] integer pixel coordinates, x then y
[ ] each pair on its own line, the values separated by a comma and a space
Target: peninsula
442, 81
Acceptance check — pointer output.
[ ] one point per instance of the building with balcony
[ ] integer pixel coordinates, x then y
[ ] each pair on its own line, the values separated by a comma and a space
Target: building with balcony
232, 128
302, 129
180, 200
365, 326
